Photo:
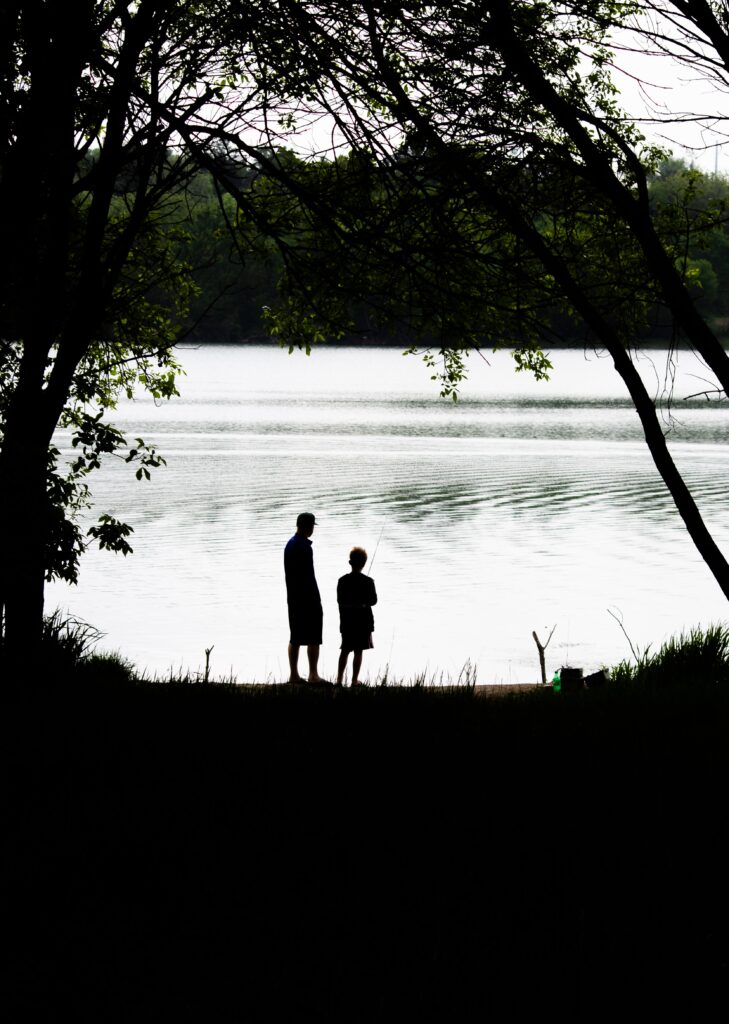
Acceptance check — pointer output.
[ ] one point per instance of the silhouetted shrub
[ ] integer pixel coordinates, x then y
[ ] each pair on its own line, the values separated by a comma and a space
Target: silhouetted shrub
698, 657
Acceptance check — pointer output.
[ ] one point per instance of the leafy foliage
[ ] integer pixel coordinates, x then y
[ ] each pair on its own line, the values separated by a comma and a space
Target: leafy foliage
148, 306
245, 287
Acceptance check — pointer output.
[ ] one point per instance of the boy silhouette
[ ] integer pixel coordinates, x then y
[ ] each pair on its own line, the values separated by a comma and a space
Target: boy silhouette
356, 595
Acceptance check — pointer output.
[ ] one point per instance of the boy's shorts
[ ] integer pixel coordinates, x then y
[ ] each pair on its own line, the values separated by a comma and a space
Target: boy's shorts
356, 642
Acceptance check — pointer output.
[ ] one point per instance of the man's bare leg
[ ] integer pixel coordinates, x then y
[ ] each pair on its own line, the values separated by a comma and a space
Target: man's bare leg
356, 666
342, 666
294, 676
313, 654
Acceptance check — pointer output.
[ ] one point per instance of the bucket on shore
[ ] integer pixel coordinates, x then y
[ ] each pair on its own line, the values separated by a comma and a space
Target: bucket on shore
596, 679
570, 679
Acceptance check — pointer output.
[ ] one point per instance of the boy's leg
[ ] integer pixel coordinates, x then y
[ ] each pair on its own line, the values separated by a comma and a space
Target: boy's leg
341, 666
356, 666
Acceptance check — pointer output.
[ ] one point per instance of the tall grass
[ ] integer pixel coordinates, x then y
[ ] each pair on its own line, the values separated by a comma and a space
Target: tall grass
434, 679
66, 641
191, 677
699, 657
68, 655
696, 658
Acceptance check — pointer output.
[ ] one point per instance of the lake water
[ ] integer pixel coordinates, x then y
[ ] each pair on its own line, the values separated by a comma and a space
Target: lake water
523, 506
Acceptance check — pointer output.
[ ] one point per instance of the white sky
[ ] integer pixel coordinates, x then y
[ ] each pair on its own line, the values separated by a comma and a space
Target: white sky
656, 86
652, 87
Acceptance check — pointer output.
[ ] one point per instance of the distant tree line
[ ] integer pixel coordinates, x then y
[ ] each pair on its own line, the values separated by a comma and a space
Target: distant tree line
238, 275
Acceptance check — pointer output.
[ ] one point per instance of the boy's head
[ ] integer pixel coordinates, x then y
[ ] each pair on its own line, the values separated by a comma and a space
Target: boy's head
357, 559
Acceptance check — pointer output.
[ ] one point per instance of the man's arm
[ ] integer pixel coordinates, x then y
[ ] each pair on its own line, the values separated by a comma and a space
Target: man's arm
300, 578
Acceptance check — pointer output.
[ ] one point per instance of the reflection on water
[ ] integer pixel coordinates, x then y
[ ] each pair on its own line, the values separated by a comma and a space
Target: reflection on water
523, 505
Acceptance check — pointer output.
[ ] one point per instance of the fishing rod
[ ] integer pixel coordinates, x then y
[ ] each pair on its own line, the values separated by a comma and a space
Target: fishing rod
377, 546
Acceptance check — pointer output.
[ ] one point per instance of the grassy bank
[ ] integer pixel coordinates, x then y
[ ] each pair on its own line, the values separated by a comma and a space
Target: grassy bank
208, 852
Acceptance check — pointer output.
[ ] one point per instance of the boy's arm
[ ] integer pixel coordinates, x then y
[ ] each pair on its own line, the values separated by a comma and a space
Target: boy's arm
374, 592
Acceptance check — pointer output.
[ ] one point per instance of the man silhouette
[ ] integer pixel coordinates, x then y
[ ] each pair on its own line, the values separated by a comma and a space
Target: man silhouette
302, 595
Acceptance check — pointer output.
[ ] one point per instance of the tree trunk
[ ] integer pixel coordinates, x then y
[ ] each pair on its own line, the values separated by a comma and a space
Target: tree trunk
23, 525
655, 439
687, 508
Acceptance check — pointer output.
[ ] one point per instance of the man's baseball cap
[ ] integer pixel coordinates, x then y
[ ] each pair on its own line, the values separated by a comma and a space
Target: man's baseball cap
306, 519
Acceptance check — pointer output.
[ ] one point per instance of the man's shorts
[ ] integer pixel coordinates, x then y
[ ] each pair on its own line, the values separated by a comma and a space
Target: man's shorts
305, 625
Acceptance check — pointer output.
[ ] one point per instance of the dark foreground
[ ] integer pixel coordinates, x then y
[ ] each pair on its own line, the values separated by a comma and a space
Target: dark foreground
199, 853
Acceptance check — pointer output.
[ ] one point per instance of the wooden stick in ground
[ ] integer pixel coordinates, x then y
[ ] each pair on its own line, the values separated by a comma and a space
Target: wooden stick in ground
542, 648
